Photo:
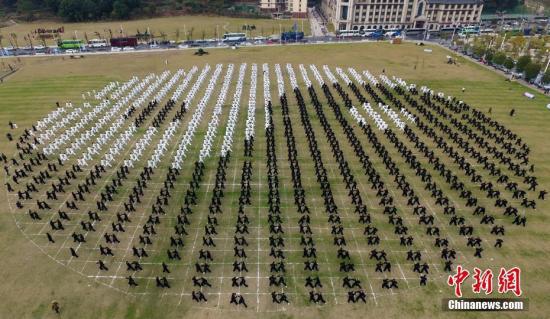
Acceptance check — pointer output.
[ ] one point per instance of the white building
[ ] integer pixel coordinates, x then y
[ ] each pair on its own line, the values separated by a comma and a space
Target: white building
290, 8
401, 14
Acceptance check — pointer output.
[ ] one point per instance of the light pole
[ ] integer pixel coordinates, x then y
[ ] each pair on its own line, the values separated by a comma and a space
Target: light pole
547, 63
502, 44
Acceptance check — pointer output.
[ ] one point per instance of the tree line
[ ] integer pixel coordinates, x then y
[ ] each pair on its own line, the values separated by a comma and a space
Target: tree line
493, 6
76, 10
93, 10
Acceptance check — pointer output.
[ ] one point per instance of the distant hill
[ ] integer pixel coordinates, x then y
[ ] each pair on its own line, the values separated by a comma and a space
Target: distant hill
491, 6
539, 6
93, 10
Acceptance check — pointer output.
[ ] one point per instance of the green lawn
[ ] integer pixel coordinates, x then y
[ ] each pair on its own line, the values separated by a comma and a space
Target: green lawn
36, 273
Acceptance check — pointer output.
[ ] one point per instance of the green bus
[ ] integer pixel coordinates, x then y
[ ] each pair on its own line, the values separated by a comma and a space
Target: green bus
70, 44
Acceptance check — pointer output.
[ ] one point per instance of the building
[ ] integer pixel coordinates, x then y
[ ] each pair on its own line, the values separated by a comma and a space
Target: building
401, 14
285, 8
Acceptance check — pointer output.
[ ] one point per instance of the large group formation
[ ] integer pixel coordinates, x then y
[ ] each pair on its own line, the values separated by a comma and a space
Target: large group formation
370, 186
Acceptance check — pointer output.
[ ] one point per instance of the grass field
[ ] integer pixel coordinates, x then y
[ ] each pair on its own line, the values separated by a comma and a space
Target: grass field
175, 28
31, 279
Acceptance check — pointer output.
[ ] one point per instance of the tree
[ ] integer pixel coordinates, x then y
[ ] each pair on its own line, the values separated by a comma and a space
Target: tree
518, 43
499, 58
489, 55
120, 10
509, 63
78, 10
523, 61
479, 50
25, 6
531, 70
52, 5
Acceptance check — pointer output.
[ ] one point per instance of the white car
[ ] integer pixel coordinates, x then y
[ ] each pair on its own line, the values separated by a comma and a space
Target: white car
128, 49
154, 46
70, 51
183, 46
116, 49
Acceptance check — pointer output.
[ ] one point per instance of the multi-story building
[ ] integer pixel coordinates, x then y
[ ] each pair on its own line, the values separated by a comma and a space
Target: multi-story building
290, 8
401, 14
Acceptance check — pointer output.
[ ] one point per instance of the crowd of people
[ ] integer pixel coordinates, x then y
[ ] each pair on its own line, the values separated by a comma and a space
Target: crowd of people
412, 147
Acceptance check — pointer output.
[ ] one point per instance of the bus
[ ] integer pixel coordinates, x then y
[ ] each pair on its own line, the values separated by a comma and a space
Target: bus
124, 42
70, 44
415, 31
470, 30
348, 33
97, 43
391, 33
234, 37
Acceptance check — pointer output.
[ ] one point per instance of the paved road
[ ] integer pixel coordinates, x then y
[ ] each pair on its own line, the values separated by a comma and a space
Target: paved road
318, 28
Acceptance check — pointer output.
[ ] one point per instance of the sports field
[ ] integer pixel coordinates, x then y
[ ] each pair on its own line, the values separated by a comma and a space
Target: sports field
37, 271
178, 28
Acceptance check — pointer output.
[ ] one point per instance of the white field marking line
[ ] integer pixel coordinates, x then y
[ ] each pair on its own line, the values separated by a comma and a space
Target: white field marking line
364, 268
423, 243
258, 236
285, 185
42, 196
137, 227
427, 202
340, 197
235, 163
308, 182
129, 149
92, 108
429, 207
226, 239
262, 263
369, 202
180, 128
412, 228
112, 216
94, 198
131, 239
205, 194
210, 277
466, 123
60, 262
251, 227
460, 173
452, 160
197, 229
195, 239
115, 114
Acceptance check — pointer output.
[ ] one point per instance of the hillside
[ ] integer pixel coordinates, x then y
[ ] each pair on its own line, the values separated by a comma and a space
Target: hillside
95, 10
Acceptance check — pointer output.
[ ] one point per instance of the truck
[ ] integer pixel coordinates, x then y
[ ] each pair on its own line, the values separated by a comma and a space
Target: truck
292, 36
